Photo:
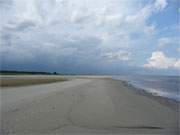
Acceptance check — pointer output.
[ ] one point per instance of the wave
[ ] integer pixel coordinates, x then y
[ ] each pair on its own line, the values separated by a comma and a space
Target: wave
155, 91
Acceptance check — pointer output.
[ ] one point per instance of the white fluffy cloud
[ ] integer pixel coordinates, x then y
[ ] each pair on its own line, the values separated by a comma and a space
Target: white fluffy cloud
160, 4
177, 64
159, 61
74, 31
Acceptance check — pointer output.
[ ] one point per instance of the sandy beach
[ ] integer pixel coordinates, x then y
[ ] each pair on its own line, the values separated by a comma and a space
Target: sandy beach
84, 105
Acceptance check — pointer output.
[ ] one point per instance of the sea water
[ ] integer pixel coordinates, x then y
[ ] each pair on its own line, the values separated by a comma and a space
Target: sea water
165, 86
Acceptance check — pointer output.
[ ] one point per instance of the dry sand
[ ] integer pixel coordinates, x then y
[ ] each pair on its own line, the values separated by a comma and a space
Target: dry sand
83, 106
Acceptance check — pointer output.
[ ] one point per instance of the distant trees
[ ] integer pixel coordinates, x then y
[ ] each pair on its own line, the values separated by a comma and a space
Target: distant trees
8, 72
55, 73
11, 72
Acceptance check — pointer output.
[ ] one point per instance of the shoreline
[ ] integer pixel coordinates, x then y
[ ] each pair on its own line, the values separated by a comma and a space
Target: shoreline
29, 80
171, 103
84, 106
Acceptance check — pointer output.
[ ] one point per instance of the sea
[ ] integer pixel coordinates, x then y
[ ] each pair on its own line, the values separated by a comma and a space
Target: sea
164, 86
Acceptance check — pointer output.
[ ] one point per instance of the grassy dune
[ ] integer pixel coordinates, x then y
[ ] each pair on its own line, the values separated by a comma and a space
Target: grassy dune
29, 81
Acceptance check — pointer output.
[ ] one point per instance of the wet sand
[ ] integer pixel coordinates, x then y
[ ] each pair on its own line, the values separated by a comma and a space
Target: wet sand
84, 105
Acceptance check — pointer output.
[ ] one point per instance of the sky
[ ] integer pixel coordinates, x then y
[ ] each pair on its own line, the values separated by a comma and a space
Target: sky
90, 36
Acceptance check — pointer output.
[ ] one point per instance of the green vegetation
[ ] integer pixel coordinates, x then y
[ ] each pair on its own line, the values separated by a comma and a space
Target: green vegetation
29, 81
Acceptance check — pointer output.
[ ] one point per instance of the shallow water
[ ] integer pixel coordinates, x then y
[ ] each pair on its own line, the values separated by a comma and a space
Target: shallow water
165, 86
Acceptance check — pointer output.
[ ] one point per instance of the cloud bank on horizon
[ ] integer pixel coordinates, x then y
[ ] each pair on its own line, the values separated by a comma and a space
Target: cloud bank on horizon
90, 36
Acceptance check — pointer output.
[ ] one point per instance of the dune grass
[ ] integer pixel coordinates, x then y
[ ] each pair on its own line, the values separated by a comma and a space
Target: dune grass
29, 81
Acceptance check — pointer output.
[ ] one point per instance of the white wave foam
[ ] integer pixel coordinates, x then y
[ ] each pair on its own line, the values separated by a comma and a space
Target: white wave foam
161, 93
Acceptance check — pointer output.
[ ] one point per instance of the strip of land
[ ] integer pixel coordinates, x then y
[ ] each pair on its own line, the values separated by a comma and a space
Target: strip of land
92, 105
28, 81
